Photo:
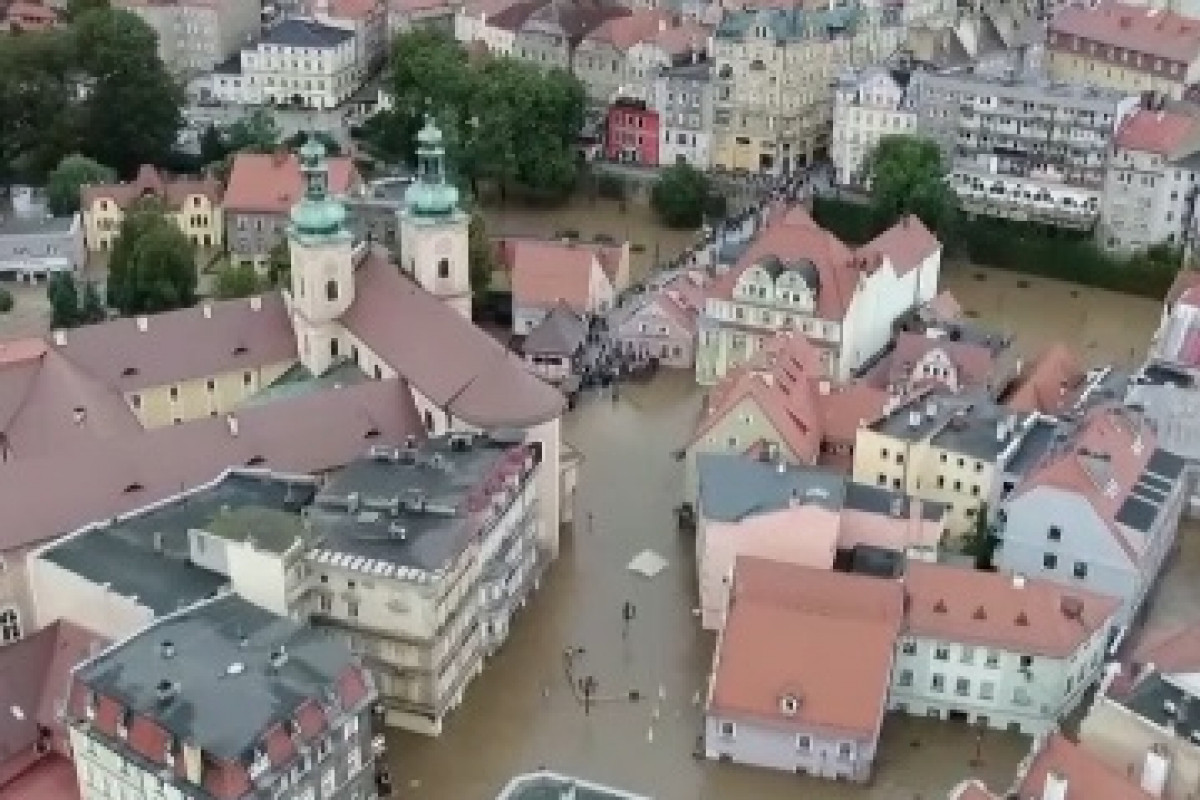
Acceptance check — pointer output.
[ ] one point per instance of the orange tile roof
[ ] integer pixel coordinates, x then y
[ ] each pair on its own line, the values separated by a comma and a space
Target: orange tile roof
824, 638
1050, 384
945, 307
545, 272
1087, 777
172, 191
1170, 652
687, 36
990, 609
1155, 32
271, 184
973, 360
1161, 132
1185, 281
354, 9
624, 32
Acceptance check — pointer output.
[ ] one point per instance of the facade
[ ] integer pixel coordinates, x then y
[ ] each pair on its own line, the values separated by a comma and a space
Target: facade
1099, 511
942, 447
427, 554
1139, 723
867, 106
297, 63
1000, 651
194, 205
194, 36
796, 275
1151, 182
632, 133
1022, 148
223, 699
661, 323
602, 59
368, 20
774, 69
1130, 48
810, 517
548, 32
31, 250
799, 678
683, 98
492, 22
260, 193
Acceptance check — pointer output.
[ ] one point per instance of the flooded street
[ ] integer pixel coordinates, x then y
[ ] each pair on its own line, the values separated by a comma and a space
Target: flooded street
520, 714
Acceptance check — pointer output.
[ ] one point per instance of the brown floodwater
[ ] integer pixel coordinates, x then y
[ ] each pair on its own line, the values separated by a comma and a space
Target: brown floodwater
520, 714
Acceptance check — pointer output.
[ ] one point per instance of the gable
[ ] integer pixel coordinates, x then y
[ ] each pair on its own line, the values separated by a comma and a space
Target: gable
1084, 534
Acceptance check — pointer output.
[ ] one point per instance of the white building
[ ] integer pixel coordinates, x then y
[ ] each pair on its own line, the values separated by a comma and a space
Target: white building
867, 106
299, 63
426, 555
1150, 185
995, 650
683, 98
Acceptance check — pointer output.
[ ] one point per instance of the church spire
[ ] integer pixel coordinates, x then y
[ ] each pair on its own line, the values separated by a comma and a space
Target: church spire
431, 195
317, 214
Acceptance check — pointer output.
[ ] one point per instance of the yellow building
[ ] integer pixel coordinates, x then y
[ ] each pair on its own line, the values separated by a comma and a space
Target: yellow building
193, 203
1129, 48
939, 447
773, 99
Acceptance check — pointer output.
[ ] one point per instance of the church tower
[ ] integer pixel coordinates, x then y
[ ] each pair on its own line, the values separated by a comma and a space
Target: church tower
433, 229
321, 251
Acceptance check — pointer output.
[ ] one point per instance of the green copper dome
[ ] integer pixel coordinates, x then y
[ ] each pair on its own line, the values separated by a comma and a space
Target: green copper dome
317, 214
430, 195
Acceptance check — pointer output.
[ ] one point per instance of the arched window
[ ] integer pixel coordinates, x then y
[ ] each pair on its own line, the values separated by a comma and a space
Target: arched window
429, 420
444, 268
10, 625
331, 290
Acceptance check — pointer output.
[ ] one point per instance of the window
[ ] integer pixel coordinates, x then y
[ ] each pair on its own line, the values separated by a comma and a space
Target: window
883, 453
967, 654
803, 743
1026, 662
1050, 561
905, 678
728, 730
331, 291
444, 268
987, 690
211, 385
325, 604
333, 348
1080, 570
352, 608
993, 660
938, 684
909, 647
247, 379
1054, 534
135, 400
962, 687
942, 652
10, 625
845, 751
174, 393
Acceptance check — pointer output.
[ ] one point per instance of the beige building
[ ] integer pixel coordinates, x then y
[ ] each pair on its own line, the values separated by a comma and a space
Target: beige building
193, 203
775, 69
1132, 48
194, 36
939, 447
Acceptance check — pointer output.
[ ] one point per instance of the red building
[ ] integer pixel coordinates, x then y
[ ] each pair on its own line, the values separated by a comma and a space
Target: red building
632, 133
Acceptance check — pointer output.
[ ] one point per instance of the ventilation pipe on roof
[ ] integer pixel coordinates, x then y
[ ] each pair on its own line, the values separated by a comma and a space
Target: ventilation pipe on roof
1154, 772
143, 324
60, 338
167, 649
1055, 787
256, 303
206, 309
165, 691
232, 421
1018, 580
279, 657
914, 419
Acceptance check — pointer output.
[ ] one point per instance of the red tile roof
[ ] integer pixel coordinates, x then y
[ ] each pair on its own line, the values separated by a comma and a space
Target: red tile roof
688, 36
469, 372
49, 778
354, 9
823, 638
990, 609
1171, 652
1086, 777
186, 344
1161, 132
945, 307
906, 244
271, 184
1163, 34
624, 32
173, 191
973, 361
1050, 384
1185, 281
546, 272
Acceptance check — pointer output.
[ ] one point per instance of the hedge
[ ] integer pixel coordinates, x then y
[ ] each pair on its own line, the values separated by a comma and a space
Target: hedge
1021, 247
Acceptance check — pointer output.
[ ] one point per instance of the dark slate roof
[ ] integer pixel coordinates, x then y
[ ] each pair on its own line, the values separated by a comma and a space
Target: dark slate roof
1151, 697
880, 500
1166, 464
733, 487
1036, 442
561, 332
228, 692
305, 33
876, 561
1146, 498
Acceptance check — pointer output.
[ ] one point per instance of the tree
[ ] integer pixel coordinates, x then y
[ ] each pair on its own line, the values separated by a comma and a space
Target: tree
72, 173
77, 8
254, 133
37, 105
237, 280
279, 264
64, 301
480, 256
131, 112
332, 146
6, 301
93, 309
152, 267
212, 145
981, 542
680, 196
908, 177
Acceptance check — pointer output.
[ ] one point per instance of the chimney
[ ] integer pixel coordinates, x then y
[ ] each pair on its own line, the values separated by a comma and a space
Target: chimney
780, 467
165, 691
167, 649
279, 657
60, 338
158, 541
662, 24
914, 419
1001, 430
207, 310
1055, 787
1018, 580
823, 387
256, 303
931, 409
143, 324
232, 421
279, 157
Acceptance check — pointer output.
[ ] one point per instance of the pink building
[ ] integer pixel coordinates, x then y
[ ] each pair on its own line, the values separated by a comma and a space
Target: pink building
633, 133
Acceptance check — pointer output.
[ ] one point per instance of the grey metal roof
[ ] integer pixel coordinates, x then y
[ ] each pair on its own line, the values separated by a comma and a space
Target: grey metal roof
227, 691
409, 510
733, 487
122, 553
305, 33
880, 500
960, 423
1036, 442
1146, 497
876, 561
560, 333
1137, 514
1151, 697
1166, 464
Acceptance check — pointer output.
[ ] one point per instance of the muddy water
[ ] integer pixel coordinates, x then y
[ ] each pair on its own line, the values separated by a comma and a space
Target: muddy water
520, 714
